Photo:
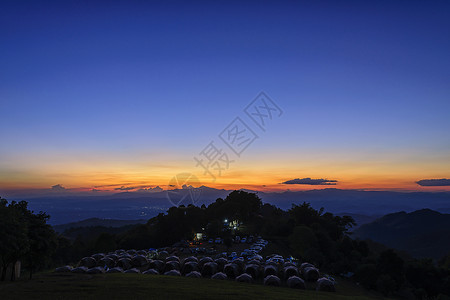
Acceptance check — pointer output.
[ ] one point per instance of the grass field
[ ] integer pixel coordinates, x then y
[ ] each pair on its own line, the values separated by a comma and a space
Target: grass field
138, 286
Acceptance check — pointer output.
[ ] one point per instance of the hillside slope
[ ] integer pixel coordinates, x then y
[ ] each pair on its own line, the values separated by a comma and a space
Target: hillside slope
422, 233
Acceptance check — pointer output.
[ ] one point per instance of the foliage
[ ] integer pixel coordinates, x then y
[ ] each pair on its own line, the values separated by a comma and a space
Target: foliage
43, 241
24, 236
14, 242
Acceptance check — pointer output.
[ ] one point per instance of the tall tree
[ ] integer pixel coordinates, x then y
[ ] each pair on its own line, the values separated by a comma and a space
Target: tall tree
42, 239
24, 236
14, 241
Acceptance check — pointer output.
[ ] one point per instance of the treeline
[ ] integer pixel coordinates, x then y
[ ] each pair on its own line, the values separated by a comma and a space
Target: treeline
24, 236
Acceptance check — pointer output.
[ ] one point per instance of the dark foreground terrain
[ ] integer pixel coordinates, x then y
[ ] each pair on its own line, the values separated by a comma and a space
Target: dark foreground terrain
137, 286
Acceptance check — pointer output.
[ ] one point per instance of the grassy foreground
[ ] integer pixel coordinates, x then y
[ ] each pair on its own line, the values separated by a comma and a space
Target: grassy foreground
137, 286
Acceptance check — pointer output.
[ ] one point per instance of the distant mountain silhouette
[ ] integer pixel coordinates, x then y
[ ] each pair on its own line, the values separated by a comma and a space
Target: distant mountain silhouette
422, 233
139, 205
97, 222
374, 203
360, 219
361, 201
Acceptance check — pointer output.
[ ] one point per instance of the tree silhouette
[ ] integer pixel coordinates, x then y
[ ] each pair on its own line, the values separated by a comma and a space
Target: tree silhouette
24, 236
14, 241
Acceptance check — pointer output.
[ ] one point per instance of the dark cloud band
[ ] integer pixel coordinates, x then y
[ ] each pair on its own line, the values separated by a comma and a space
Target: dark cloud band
122, 188
310, 181
434, 182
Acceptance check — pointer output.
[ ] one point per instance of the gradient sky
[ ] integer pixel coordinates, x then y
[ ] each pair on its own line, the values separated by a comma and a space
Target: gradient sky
109, 94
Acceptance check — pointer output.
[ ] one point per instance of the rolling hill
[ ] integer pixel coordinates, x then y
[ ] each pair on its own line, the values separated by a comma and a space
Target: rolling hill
422, 233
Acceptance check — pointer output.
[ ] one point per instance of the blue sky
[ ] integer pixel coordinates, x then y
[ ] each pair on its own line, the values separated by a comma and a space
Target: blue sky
120, 82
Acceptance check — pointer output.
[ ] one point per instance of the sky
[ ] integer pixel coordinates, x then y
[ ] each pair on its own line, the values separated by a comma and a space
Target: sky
98, 95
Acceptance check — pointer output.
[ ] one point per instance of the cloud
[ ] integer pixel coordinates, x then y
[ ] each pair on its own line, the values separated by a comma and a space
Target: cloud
58, 188
122, 188
311, 181
434, 182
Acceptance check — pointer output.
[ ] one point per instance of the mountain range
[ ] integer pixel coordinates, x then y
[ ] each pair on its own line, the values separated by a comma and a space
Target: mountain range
422, 233
367, 205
